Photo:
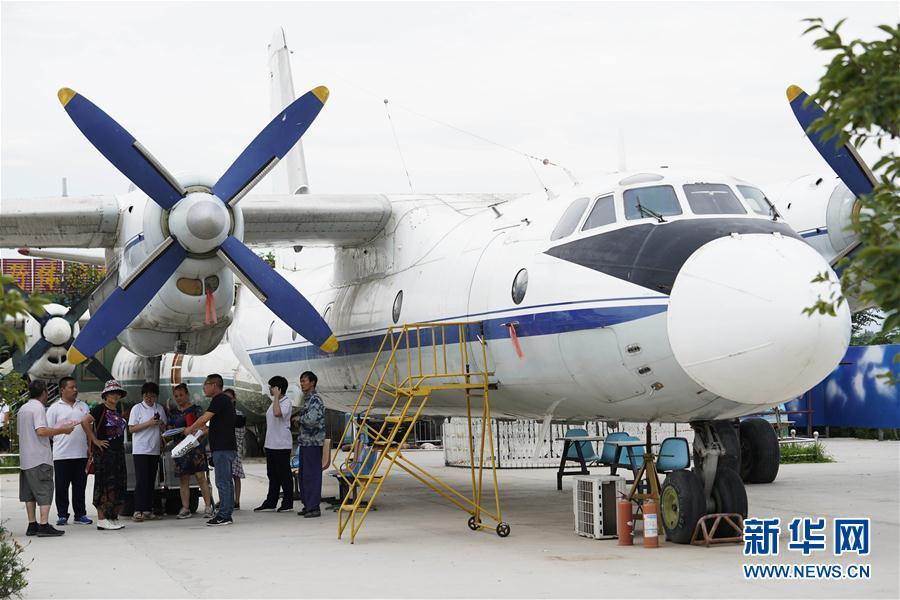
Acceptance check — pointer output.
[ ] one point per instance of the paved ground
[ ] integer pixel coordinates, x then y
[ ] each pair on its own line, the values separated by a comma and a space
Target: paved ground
415, 546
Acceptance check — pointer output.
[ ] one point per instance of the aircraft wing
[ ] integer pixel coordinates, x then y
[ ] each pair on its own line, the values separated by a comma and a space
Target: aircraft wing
314, 219
61, 222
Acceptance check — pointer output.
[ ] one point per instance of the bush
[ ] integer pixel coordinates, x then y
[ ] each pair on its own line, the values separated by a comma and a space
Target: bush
12, 569
804, 453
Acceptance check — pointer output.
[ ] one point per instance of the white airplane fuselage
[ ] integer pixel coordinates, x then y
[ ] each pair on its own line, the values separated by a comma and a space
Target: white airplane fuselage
596, 322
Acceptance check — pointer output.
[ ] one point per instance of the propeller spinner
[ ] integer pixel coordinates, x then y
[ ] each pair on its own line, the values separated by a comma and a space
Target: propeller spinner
199, 222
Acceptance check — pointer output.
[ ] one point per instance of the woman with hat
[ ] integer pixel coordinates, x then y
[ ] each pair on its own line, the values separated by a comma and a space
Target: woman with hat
105, 429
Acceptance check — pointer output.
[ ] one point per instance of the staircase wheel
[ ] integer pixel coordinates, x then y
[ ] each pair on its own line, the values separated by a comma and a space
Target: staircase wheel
502, 529
474, 524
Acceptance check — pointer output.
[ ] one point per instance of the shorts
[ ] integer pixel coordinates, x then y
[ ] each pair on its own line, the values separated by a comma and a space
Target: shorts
36, 485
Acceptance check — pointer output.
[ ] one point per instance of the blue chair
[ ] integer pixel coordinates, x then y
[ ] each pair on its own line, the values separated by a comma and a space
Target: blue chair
579, 452
587, 449
608, 454
674, 454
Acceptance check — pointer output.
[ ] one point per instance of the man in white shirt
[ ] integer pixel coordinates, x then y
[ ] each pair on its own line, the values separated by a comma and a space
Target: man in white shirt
278, 445
69, 453
36, 459
146, 423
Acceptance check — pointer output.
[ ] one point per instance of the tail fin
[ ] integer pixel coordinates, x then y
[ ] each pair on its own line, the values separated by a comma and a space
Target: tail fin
289, 175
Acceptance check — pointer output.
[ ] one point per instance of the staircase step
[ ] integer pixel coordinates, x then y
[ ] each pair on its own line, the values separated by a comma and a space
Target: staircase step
394, 419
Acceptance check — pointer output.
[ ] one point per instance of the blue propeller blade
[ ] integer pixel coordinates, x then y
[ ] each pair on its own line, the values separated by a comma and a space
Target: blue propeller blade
270, 146
118, 146
843, 160
123, 305
279, 295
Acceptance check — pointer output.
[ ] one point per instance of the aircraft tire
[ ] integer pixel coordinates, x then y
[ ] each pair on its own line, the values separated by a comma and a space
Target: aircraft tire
682, 505
729, 494
760, 451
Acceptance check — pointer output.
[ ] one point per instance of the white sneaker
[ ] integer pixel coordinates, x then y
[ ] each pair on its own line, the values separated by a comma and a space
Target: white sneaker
109, 525
209, 512
184, 513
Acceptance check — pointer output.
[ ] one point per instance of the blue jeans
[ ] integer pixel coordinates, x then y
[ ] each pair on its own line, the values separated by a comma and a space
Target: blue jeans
223, 463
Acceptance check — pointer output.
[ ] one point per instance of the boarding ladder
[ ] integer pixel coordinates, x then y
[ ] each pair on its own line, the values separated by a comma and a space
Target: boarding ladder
413, 362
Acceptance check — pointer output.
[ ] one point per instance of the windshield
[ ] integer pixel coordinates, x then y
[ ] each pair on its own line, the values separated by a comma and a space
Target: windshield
569, 221
756, 199
654, 202
713, 199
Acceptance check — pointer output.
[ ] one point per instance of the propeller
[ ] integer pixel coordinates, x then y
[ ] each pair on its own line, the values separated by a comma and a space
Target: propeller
843, 160
200, 223
56, 330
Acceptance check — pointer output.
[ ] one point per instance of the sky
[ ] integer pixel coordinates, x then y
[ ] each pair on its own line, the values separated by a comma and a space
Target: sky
689, 85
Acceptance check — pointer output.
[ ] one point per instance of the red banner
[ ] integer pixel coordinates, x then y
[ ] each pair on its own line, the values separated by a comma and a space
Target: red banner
20, 270
47, 275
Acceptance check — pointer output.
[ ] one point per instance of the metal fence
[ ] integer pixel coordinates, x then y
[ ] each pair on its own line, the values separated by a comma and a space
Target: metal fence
527, 444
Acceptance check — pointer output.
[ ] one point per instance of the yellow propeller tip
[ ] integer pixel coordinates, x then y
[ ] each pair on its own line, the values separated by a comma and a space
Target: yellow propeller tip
74, 356
321, 93
65, 94
792, 92
330, 345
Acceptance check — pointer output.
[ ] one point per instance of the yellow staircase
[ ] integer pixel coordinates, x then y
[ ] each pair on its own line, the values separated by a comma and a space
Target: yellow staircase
412, 363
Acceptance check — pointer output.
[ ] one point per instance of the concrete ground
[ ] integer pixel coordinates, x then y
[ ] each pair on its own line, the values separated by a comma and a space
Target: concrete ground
415, 545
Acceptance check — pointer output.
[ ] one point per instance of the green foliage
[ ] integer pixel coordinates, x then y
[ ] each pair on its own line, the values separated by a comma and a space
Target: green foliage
77, 280
12, 568
866, 330
269, 257
13, 303
804, 453
860, 94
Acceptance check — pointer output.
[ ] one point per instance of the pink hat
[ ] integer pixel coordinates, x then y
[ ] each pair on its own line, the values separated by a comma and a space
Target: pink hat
113, 386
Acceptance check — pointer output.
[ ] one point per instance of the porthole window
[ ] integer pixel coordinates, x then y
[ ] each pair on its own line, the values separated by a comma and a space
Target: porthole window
271, 331
520, 286
327, 312
398, 306
191, 363
293, 335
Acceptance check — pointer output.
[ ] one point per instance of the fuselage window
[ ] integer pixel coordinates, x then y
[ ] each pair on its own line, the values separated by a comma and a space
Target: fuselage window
651, 202
271, 331
520, 286
570, 218
756, 199
603, 213
398, 306
713, 199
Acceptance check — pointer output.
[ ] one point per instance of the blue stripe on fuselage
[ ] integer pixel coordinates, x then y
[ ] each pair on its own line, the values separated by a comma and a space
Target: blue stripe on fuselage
545, 323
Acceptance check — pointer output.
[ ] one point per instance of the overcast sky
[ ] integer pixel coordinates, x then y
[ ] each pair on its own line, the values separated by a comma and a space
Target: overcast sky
691, 85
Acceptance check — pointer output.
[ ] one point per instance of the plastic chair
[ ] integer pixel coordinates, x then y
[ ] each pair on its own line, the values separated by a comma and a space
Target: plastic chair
631, 457
587, 449
674, 454
608, 454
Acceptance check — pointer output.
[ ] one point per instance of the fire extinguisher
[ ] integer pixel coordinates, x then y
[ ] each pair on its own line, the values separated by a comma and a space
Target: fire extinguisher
624, 522
651, 525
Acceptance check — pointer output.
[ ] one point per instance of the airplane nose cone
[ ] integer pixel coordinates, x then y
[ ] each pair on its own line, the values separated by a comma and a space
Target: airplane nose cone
736, 323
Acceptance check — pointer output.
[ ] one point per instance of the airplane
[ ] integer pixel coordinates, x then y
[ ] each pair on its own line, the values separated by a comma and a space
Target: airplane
48, 335
645, 296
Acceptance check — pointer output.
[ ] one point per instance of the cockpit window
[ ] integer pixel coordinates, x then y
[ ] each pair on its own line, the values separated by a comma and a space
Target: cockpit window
655, 202
570, 218
603, 213
756, 199
713, 199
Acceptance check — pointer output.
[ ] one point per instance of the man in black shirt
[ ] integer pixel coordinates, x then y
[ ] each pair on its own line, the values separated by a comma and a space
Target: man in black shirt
220, 415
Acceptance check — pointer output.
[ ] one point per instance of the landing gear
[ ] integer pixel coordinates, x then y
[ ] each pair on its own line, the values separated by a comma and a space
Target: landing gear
728, 437
682, 504
760, 451
729, 494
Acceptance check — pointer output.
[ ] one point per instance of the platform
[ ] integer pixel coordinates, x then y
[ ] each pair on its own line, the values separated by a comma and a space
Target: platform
270, 555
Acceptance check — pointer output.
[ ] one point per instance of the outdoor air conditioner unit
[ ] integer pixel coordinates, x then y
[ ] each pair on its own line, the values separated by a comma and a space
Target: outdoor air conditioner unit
594, 503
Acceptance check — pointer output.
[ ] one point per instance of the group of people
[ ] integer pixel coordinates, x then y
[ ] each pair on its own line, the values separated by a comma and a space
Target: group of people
93, 441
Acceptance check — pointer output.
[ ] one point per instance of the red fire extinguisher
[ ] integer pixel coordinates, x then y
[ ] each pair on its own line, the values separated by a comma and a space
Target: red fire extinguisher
651, 525
624, 522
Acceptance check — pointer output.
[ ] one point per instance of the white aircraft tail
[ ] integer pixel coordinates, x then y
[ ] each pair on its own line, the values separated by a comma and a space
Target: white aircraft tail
289, 175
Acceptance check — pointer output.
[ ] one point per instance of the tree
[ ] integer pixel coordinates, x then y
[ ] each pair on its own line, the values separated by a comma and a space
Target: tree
13, 303
860, 94
77, 280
